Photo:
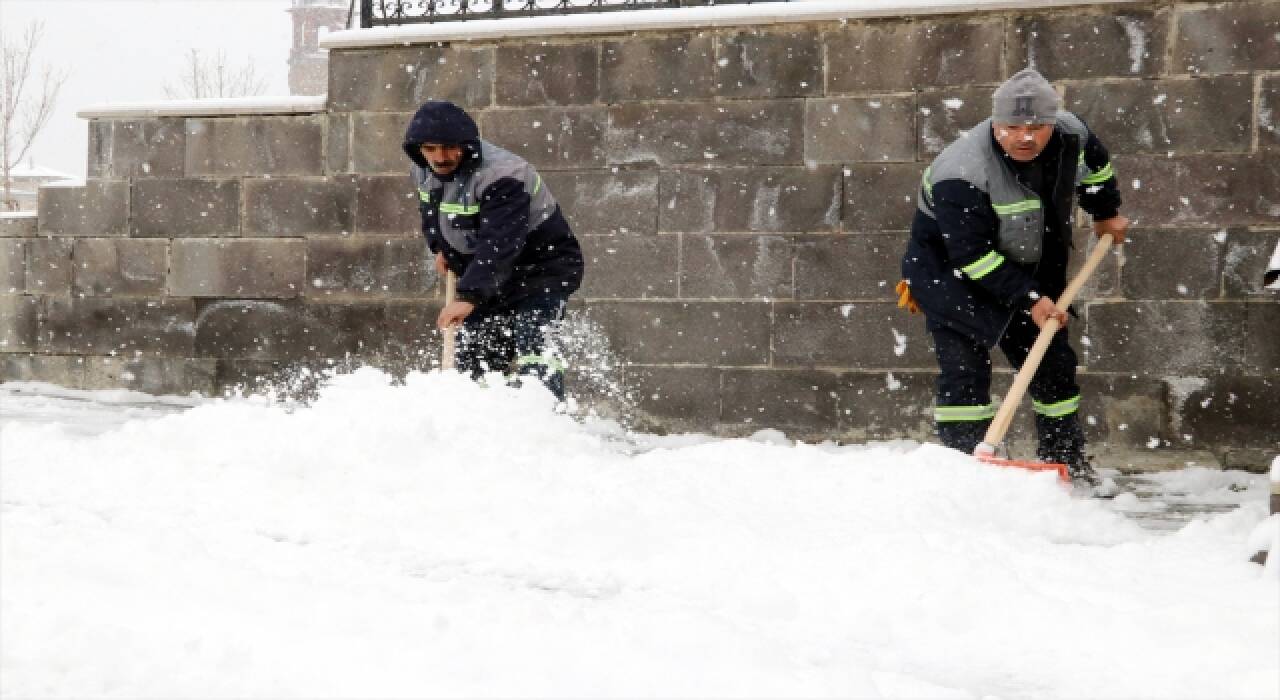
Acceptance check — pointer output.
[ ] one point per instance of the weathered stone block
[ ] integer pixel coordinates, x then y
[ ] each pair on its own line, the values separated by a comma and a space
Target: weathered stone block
756, 63
949, 113
337, 146
272, 330
1104, 283
401, 79
49, 266
120, 267
622, 266
153, 375
735, 267
712, 333
864, 267
237, 268
902, 56
18, 224
1247, 254
179, 208
99, 161
886, 405
1268, 113
13, 266
1157, 264
1130, 42
541, 74
411, 330
755, 133
801, 403
880, 196
1200, 190
387, 204
1122, 412
674, 399
863, 335
254, 146
675, 67
138, 148
99, 208
1237, 411
1229, 36
53, 369
1161, 116
1177, 337
289, 207
607, 202
19, 323
855, 129
377, 142
103, 326
751, 199
556, 138
1262, 338
368, 267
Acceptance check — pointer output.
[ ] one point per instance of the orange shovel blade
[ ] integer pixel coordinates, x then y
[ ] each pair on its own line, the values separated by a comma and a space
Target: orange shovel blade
1029, 465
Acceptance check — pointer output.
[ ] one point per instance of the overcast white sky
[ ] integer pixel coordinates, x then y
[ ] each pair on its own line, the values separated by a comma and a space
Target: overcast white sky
127, 50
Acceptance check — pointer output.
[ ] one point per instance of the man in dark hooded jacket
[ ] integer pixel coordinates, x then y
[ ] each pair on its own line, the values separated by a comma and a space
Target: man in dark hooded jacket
488, 217
988, 257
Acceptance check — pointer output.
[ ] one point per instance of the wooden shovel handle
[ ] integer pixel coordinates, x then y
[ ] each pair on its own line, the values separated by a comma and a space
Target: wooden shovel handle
1004, 416
450, 333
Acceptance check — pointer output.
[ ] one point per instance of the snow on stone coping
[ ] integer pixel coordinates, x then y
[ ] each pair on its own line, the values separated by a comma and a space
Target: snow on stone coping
208, 107
675, 18
18, 214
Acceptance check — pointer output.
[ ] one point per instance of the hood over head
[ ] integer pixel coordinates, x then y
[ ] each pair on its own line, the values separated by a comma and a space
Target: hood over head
442, 122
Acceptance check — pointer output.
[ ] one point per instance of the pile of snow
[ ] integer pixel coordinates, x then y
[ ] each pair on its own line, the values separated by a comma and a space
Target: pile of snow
440, 539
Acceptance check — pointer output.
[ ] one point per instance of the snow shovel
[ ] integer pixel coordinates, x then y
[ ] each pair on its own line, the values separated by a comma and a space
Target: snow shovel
986, 450
450, 333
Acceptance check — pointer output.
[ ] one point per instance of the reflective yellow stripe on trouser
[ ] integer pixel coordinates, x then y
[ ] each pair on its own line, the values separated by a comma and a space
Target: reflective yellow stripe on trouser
955, 414
1057, 410
551, 362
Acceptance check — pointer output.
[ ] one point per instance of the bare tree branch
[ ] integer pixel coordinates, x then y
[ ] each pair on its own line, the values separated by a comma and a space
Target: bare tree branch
22, 115
215, 77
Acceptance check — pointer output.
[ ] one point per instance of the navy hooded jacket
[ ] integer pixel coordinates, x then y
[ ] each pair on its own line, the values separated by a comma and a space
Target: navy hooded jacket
494, 219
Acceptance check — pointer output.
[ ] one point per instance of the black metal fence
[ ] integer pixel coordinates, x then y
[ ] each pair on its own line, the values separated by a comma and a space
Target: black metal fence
381, 13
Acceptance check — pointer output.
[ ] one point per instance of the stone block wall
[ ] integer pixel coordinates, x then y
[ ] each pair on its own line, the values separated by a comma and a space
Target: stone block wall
743, 196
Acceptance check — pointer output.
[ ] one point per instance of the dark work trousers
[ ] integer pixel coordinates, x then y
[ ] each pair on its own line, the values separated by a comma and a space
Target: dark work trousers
492, 341
964, 408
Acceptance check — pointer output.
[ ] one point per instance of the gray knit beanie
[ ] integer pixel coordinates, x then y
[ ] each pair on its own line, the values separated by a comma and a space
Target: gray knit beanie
1026, 98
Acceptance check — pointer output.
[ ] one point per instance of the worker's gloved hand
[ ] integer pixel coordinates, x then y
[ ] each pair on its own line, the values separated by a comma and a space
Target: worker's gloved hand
1044, 309
905, 300
1116, 226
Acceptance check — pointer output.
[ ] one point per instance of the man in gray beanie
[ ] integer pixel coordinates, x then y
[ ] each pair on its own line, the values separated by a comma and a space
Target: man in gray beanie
988, 256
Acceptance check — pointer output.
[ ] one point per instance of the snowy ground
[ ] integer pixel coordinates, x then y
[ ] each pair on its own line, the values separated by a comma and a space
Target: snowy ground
438, 539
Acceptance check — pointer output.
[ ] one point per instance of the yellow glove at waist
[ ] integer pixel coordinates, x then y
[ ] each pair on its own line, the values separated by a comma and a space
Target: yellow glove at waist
905, 300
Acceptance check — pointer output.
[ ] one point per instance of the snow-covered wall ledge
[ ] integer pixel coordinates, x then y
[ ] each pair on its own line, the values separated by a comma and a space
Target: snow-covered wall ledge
211, 107
678, 18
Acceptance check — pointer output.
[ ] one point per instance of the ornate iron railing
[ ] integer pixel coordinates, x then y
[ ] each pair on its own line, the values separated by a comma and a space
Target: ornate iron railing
381, 13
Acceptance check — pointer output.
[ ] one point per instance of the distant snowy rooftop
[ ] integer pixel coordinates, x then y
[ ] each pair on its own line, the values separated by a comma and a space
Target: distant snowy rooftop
675, 18
212, 107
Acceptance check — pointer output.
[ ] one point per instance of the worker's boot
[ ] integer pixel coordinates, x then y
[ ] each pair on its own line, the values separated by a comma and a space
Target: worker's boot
1062, 441
963, 435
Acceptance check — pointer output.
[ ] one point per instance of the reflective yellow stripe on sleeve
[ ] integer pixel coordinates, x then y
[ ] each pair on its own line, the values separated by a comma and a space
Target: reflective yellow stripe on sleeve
1106, 173
983, 266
